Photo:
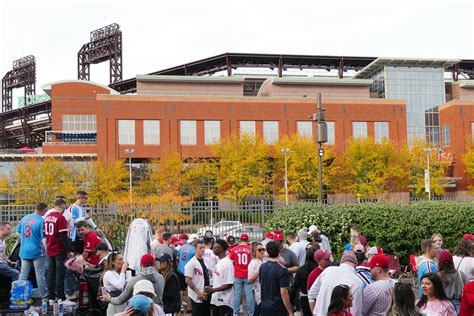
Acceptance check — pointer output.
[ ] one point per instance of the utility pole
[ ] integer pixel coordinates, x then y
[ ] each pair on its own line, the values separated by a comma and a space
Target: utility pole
321, 137
427, 171
129, 153
285, 152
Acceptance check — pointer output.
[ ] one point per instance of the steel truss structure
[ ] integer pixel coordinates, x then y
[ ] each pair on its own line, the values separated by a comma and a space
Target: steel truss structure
23, 74
105, 44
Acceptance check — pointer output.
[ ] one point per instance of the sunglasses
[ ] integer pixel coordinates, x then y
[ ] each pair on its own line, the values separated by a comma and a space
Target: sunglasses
261, 249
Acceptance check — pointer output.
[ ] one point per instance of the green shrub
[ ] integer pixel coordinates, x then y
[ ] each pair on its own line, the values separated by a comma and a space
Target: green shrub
116, 232
10, 242
397, 228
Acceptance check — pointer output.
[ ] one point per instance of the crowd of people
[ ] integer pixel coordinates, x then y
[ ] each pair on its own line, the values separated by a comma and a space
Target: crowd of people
280, 275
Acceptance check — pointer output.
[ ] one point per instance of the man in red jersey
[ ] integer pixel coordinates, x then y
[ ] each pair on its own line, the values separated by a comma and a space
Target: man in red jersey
90, 241
55, 230
241, 255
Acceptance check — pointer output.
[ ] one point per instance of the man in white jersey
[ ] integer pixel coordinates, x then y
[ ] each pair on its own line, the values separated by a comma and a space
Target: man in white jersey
210, 259
377, 296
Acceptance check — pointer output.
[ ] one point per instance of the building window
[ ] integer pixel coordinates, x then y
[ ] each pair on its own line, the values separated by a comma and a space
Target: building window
446, 135
212, 132
270, 132
79, 123
331, 133
359, 129
305, 129
188, 132
151, 132
247, 127
381, 131
126, 132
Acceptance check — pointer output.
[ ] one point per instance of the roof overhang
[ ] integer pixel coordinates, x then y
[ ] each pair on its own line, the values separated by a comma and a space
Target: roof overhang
380, 62
466, 84
190, 79
47, 87
321, 81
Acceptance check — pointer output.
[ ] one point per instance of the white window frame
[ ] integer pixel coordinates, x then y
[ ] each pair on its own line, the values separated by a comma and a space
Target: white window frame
271, 132
79, 123
212, 132
446, 135
359, 130
188, 134
151, 132
380, 127
247, 128
126, 131
305, 129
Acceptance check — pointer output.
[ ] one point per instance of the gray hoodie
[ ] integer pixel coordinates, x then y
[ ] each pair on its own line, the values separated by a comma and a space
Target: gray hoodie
148, 273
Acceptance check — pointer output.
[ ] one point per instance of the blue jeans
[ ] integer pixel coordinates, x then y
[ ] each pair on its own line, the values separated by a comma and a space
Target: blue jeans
71, 284
240, 283
40, 265
8, 271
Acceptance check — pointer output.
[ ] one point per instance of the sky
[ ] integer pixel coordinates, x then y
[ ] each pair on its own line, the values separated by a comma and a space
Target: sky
160, 34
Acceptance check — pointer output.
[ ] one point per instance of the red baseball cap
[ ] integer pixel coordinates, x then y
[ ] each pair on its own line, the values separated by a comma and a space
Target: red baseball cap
244, 237
269, 235
445, 256
380, 260
174, 239
322, 254
277, 235
183, 236
468, 236
147, 260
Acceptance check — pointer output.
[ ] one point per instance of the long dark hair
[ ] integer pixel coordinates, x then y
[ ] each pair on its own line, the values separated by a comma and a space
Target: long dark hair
339, 293
403, 301
109, 265
438, 288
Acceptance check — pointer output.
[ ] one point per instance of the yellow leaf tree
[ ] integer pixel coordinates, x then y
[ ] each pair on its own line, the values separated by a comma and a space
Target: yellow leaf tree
302, 160
199, 179
367, 169
417, 166
108, 181
36, 181
244, 167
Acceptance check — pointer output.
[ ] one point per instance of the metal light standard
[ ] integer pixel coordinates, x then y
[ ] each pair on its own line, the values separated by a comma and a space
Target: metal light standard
321, 137
285, 152
427, 171
129, 153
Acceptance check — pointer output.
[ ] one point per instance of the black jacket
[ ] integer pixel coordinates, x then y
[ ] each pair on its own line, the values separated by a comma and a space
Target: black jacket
171, 294
301, 279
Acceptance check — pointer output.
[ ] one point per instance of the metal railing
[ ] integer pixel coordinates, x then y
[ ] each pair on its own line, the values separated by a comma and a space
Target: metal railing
70, 137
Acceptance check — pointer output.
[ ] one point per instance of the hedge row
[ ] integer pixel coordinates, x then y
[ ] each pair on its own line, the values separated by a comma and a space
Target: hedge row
398, 228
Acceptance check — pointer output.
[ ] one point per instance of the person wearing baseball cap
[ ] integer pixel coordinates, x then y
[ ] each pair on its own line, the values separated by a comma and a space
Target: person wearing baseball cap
345, 274
464, 259
241, 255
171, 299
453, 279
147, 272
290, 260
267, 239
468, 237
377, 296
323, 259
183, 239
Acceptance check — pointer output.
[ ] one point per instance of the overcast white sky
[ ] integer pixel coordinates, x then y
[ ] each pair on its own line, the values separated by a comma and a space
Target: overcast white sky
162, 33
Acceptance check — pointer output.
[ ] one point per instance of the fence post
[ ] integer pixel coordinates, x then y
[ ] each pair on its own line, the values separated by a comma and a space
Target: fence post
262, 207
191, 215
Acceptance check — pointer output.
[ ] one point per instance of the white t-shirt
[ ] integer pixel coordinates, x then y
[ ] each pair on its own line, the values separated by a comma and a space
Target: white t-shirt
254, 266
465, 266
223, 274
193, 269
210, 260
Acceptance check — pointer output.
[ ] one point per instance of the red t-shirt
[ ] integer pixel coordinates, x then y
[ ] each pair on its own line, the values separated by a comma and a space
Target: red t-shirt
313, 276
90, 241
467, 301
241, 255
53, 225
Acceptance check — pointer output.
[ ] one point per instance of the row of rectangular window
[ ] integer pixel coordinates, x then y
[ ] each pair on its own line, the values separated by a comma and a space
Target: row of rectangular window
212, 131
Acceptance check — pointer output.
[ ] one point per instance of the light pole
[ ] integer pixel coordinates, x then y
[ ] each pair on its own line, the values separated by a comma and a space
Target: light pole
427, 171
285, 152
129, 153
322, 137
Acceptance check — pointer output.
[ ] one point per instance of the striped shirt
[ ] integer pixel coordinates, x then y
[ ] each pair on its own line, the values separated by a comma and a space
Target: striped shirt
364, 275
377, 297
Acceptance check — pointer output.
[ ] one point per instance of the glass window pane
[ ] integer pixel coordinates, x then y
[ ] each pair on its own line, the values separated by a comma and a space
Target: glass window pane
270, 132
212, 132
381, 132
247, 127
188, 133
151, 132
331, 133
305, 129
359, 129
126, 132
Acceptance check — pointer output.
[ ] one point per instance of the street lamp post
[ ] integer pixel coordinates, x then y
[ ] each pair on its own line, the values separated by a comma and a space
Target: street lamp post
285, 152
129, 153
322, 137
427, 171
